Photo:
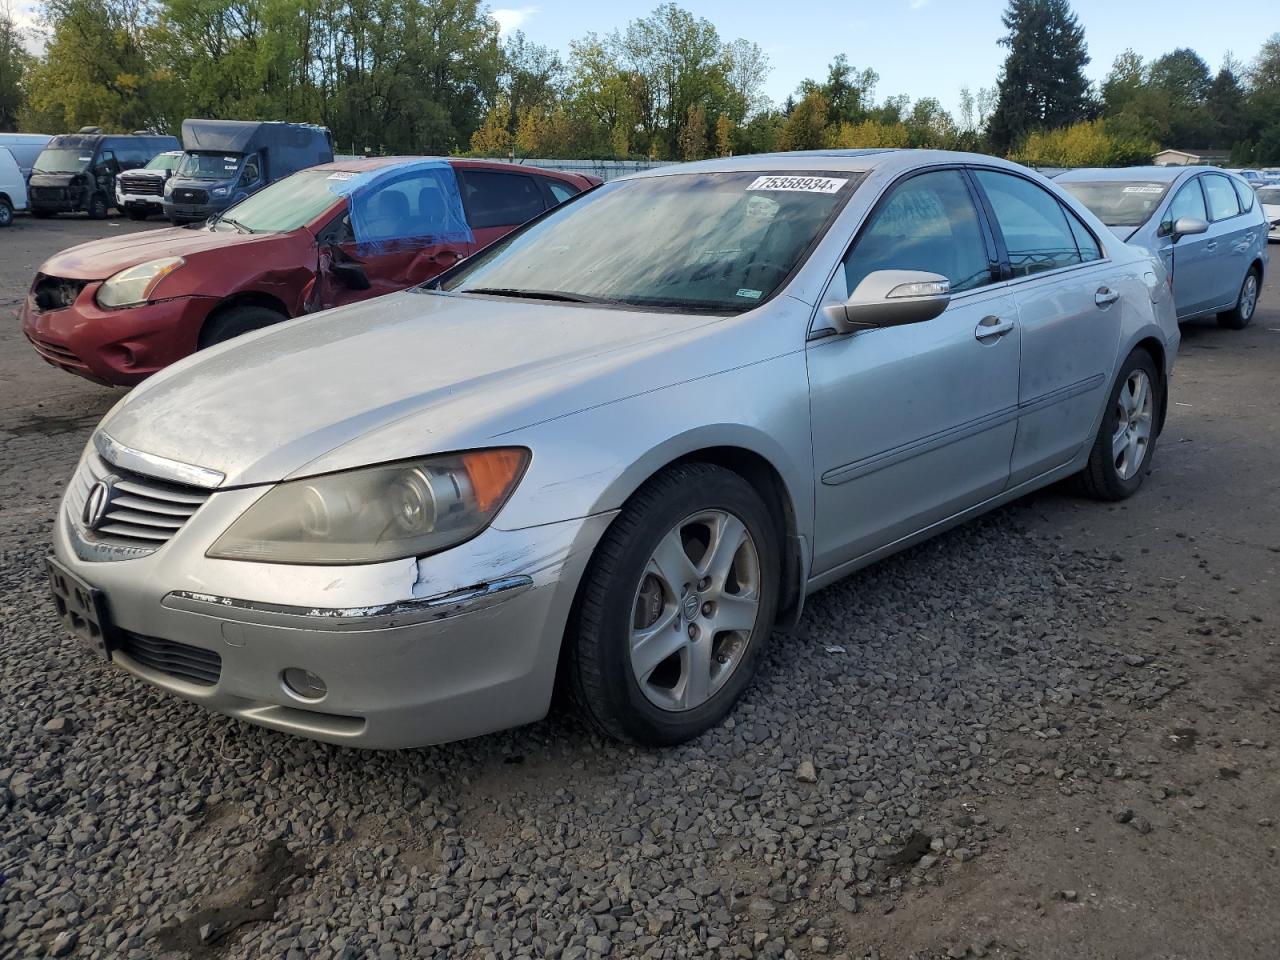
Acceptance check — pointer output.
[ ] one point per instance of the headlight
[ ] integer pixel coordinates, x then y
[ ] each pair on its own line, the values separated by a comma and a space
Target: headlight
168, 187
128, 288
373, 514
218, 192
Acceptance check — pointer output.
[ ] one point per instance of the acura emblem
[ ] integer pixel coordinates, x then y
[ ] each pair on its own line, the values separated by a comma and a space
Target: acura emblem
95, 505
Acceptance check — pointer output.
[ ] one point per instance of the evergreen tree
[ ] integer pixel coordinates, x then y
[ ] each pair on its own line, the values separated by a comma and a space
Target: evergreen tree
1042, 84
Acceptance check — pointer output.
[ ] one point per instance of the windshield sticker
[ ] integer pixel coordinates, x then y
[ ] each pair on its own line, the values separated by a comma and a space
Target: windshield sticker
85, 159
340, 175
1144, 188
799, 184
750, 294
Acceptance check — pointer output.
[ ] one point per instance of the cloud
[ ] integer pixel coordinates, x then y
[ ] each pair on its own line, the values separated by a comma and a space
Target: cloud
511, 19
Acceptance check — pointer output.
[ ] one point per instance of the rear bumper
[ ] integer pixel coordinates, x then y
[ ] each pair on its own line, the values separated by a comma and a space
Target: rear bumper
115, 347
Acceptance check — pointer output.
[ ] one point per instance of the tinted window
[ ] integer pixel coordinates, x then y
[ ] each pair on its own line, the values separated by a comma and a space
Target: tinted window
562, 191
1086, 243
499, 199
1187, 202
1034, 224
1223, 202
1245, 193
928, 223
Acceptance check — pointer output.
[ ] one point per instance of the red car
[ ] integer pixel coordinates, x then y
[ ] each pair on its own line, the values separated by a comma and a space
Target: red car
115, 311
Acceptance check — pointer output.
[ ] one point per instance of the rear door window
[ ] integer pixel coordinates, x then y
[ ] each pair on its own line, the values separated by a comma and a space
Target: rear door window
1033, 222
1223, 202
1245, 193
928, 223
561, 190
494, 199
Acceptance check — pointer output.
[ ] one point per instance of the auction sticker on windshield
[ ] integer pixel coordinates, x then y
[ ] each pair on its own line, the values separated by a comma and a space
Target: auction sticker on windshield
799, 184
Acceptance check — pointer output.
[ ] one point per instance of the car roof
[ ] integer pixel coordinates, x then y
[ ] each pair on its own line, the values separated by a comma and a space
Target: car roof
828, 161
1121, 174
369, 164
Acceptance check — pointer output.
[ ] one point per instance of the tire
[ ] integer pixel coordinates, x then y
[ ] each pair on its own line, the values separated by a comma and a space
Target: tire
98, 209
1239, 316
1116, 474
135, 214
43, 214
235, 321
664, 703
6, 212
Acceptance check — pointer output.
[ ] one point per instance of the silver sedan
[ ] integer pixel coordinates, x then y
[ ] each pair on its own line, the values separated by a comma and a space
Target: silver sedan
614, 450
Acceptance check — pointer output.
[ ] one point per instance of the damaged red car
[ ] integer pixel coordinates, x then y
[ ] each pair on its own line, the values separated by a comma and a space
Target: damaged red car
117, 310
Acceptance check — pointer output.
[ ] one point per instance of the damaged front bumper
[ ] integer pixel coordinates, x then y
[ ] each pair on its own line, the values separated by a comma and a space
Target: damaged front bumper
407, 653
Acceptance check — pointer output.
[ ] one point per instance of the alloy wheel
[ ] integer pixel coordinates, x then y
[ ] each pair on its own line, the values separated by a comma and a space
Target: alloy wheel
695, 610
1249, 296
1134, 407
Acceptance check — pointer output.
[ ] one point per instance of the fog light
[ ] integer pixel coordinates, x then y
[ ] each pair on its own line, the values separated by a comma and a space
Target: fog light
304, 684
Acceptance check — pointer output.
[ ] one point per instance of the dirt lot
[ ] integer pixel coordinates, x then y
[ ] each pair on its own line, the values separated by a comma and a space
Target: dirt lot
1052, 733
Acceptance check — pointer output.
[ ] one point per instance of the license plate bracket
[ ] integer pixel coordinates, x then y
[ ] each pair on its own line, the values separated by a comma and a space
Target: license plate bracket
81, 607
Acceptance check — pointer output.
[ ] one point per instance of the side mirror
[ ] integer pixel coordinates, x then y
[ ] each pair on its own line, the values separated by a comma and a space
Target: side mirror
1183, 227
891, 298
350, 275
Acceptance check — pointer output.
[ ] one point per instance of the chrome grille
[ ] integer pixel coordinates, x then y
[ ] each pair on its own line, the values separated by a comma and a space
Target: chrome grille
142, 186
141, 511
180, 660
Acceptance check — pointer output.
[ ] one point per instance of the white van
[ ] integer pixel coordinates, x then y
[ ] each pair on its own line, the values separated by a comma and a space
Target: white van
13, 187
25, 147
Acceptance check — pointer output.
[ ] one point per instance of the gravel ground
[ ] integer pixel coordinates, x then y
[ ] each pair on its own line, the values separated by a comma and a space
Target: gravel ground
912, 743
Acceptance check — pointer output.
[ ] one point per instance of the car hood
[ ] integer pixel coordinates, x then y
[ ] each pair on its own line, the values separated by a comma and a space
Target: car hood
99, 259
394, 377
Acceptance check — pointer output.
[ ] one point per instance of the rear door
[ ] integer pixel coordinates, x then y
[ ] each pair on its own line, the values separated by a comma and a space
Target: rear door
497, 201
1069, 308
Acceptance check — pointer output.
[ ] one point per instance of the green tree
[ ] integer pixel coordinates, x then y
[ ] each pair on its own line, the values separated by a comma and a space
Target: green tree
15, 62
1225, 109
805, 128
1042, 84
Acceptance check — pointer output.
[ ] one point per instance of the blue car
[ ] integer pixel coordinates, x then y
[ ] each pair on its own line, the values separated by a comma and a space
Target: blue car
1206, 225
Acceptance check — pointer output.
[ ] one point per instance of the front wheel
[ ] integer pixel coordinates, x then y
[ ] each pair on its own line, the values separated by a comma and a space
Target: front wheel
676, 607
1239, 316
234, 321
1125, 446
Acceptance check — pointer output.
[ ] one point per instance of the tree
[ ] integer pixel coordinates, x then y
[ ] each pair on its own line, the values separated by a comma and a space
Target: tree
724, 136
1262, 106
805, 128
1042, 84
1089, 143
15, 62
693, 134
1225, 108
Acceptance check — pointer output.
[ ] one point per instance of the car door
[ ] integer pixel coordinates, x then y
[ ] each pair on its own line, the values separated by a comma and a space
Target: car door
1069, 305
913, 424
1189, 261
497, 201
1227, 244
401, 232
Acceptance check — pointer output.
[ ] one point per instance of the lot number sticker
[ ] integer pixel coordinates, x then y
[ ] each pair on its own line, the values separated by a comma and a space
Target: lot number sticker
1144, 188
799, 184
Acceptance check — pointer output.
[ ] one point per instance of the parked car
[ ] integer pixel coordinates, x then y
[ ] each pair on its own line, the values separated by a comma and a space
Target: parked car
1206, 225
618, 447
227, 160
25, 147
13, 188
1269, 197
77, 171
1254, 178
117, 310
140, 193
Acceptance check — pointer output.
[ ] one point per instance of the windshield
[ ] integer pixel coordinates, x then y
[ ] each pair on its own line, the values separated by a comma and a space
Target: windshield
1269, 195
62, 161
1119, 203
163, 162
285, 205
209, 166
705, 241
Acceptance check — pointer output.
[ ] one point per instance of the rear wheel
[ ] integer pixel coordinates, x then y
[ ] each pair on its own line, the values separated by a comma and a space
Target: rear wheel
98, 208
1126, 443
235, 321
1239, 316
6, 212
676, 607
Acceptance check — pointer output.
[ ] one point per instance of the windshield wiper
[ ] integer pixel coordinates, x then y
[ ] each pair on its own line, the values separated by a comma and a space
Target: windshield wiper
558, 295
235, 223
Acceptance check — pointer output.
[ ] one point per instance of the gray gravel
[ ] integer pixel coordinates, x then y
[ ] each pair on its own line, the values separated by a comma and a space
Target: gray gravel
133, 824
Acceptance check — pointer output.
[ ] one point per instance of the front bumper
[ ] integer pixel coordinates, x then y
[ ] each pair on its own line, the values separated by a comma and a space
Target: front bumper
148, 202
58, 199
411, 653
115, 347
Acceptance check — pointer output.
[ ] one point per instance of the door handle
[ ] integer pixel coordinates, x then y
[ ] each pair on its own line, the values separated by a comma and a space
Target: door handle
1211, 246
992, 328
1105, 297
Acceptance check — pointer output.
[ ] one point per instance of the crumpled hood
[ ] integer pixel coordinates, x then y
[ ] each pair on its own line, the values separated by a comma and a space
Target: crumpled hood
393, 377
99, 259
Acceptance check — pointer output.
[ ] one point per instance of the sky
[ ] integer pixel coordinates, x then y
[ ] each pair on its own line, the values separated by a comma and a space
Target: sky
921, 48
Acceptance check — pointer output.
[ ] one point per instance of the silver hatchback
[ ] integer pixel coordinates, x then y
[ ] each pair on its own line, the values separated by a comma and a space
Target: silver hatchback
613, 450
